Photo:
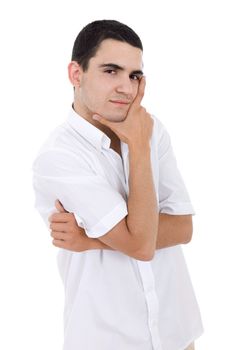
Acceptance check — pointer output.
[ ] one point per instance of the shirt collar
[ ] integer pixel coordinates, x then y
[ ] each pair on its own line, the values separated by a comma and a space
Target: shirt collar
88, 131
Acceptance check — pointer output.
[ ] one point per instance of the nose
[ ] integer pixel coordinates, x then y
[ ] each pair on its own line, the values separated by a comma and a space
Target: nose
125, 86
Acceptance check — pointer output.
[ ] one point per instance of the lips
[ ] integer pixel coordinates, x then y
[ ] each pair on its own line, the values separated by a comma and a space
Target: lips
120, 102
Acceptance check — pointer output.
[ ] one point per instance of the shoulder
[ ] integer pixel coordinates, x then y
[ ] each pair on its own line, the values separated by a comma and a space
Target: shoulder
60, 137
60, 154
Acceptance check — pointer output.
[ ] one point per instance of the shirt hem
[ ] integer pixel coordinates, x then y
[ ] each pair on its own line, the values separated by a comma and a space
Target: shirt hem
190, 341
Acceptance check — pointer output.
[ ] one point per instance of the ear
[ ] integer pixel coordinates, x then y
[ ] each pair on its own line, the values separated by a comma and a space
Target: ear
75, 73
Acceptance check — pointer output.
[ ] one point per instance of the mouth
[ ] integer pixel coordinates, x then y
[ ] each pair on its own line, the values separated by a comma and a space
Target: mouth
120, 102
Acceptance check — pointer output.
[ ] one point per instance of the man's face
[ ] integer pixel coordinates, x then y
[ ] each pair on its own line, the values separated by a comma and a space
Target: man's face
111, 82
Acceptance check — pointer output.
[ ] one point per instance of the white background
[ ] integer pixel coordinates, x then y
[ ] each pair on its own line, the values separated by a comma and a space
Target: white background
188, 63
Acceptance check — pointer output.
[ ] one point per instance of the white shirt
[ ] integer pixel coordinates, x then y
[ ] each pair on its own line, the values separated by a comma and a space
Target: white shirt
113, 301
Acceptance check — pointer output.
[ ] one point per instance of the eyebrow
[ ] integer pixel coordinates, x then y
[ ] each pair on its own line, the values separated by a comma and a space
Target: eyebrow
117, 67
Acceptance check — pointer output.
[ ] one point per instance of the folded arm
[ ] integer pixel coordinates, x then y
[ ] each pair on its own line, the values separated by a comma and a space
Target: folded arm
172, 230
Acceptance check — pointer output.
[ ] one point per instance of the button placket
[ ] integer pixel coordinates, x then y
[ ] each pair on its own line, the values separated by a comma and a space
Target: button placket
151, 298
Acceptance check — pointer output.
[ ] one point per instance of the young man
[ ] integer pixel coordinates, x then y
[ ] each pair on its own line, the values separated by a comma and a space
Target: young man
123, 209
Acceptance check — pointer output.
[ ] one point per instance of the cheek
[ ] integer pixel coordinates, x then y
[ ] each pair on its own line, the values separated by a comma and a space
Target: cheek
94, 97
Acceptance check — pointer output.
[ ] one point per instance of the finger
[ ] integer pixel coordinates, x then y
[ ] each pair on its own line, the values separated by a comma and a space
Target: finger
59, 244
60, 207
114, 126
59, 227
61, 217
58, 235
140, 93
103, 120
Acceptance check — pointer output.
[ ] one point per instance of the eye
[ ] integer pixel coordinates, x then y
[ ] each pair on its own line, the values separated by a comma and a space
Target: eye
110, 71
134, 77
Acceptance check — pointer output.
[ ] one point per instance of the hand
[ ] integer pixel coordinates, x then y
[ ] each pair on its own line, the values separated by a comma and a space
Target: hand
137, 127
65, 231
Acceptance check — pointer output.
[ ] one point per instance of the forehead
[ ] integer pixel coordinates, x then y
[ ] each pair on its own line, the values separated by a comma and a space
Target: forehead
118, 52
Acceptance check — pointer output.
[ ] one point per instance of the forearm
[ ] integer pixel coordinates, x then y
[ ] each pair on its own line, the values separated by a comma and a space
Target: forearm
95, 243
142, 219
172, 230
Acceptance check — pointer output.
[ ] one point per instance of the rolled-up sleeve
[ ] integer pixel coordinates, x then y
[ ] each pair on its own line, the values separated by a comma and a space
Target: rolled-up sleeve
97, 206
173, 195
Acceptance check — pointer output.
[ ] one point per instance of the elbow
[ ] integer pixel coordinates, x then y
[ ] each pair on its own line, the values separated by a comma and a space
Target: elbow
147, 252
188, 234
146, 255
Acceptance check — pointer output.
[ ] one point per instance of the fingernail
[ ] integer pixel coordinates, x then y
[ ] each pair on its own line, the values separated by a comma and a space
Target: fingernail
96, 117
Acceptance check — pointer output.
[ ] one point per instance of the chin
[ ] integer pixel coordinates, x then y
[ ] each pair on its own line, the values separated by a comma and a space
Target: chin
120, 117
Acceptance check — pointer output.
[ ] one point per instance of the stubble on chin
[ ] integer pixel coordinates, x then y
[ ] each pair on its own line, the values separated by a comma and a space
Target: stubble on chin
116, 119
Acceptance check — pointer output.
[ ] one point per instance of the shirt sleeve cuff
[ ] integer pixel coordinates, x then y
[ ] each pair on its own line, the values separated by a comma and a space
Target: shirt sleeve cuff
108, 222
185, 208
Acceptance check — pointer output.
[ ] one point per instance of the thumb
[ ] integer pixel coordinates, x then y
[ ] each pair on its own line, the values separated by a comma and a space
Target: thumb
60, 207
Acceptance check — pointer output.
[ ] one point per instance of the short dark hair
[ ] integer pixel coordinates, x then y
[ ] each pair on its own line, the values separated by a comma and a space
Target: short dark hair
90, 37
